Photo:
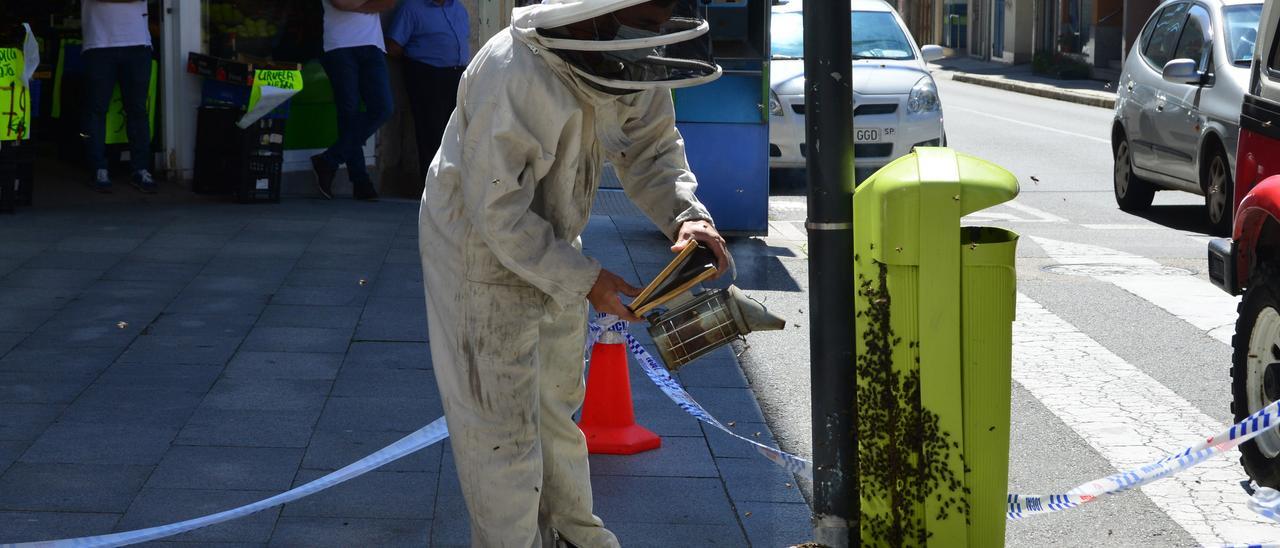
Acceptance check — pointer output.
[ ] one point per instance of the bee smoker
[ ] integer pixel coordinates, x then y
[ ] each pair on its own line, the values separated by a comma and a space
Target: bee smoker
705, 322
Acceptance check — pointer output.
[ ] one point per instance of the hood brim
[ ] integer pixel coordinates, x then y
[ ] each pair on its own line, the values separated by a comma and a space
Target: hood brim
549, 16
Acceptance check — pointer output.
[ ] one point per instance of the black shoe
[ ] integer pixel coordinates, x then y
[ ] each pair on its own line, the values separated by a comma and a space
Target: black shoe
324, 176
364, 191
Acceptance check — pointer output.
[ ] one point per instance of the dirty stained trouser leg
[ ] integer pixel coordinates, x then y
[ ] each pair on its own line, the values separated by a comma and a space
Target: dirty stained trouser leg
566, 484
486, 365
486, 353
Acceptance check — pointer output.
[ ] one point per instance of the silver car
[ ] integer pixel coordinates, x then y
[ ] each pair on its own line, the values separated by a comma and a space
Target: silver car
896, 104
1178, 107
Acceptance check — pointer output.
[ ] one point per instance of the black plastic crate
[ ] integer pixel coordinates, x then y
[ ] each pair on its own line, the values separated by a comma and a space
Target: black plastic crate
246, 163
260, 179
15, 186
17, 174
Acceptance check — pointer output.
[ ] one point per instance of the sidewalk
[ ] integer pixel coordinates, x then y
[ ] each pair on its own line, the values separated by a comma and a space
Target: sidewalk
163, 359
1020, 79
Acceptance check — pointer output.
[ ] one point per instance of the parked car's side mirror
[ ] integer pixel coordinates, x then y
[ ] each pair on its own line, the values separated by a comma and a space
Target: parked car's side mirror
932, 52
1181, 71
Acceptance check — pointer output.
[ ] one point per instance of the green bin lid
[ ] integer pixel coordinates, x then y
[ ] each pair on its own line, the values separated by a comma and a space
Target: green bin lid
887, 206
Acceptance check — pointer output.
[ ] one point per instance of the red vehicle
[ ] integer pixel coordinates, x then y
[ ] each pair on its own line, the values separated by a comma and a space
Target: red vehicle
1249, 262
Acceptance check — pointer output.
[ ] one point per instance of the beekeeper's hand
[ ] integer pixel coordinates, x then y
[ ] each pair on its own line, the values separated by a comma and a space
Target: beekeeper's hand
707, 235
604, 295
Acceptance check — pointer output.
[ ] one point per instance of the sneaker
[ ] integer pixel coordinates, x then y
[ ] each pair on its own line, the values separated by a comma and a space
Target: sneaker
324, 176
101, 182
364, 191
143, 181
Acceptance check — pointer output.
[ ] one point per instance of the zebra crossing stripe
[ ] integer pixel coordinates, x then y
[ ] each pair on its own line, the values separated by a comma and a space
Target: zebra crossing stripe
1189, 298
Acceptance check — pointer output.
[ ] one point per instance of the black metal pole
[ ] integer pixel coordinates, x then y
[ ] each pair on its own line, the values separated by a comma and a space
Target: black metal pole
829, 137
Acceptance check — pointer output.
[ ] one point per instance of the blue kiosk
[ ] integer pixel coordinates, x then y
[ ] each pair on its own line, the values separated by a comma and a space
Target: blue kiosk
725, 123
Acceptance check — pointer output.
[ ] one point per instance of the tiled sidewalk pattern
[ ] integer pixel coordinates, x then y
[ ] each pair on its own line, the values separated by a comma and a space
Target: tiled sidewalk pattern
159, 363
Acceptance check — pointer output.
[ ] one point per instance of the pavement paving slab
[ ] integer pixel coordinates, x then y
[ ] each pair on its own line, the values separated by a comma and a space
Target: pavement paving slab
305, 531
378, 494
210, 426
26, 421
38, 526
65, 487
238, 468
283, 365
297, 339
334, 449
88, 443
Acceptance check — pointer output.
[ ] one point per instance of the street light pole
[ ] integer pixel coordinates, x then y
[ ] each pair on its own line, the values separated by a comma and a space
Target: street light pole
829, 136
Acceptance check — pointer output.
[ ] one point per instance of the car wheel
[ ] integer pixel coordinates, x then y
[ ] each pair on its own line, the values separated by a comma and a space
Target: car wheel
1219, 194
1255, 372
1132, 193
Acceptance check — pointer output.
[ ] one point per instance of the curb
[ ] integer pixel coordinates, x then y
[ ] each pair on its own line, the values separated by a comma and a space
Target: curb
1040, 90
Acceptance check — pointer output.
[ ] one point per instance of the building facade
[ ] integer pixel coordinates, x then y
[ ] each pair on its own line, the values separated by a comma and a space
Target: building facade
1098, 33
288, 32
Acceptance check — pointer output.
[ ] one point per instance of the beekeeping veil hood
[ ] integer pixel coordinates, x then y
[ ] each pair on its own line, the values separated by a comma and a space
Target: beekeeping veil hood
622, 44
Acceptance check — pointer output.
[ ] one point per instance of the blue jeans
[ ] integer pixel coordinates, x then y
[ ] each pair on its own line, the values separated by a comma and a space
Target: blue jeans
357, 74
103, 69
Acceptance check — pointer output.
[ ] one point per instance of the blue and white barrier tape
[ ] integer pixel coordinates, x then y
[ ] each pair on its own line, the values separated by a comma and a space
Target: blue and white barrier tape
1267, 418
424, 437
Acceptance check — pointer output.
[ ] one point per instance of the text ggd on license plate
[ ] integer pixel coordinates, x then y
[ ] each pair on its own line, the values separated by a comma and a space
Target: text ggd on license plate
866, 135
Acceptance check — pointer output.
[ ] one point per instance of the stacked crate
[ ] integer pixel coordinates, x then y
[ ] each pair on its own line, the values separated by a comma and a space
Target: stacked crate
246, 163
17, 162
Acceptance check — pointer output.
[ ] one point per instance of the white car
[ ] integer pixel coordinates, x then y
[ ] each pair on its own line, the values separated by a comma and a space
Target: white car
896, 105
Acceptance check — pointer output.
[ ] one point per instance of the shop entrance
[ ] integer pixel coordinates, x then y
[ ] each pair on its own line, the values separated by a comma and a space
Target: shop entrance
245, 32
53, 154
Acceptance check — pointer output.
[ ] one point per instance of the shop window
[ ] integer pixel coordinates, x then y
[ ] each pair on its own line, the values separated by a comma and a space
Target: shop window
1075, 30
253, 30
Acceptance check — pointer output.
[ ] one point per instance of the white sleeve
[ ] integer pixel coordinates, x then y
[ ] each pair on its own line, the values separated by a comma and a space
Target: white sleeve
653, 169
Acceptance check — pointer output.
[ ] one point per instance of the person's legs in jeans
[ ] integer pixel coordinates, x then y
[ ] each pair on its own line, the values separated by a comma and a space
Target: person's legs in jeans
340, 65
418, 84
135, 82
375, 89
99, 81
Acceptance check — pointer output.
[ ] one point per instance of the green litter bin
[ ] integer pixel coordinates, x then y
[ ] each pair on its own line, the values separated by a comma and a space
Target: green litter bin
935, 305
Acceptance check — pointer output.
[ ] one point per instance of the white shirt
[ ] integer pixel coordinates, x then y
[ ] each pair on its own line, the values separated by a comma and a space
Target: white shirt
114, 25
349, 29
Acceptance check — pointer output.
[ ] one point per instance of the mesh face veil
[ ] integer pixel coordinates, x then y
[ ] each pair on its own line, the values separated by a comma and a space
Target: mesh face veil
613, 50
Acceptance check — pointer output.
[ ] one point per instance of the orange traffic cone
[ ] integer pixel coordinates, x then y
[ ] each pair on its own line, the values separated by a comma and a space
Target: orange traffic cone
608, 418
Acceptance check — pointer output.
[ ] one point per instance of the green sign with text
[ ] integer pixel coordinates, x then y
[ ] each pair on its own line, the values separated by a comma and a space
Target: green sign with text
15, 97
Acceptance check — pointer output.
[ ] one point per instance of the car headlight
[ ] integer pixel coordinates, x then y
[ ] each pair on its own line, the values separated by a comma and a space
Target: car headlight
924, 97
775, 106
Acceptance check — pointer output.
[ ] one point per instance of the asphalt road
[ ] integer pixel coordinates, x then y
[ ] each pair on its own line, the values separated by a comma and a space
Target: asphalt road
1114, 366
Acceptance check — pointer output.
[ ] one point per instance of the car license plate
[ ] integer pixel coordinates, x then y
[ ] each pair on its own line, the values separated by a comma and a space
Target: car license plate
866, 136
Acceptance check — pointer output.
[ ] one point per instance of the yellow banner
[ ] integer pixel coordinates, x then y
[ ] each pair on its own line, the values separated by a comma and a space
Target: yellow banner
117, 127
283, 79
15, 98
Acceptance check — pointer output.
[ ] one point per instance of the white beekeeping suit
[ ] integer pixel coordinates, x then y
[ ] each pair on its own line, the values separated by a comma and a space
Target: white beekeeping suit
509, 193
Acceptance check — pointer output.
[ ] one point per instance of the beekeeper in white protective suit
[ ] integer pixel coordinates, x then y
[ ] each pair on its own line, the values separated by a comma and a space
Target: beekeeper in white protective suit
540, 108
